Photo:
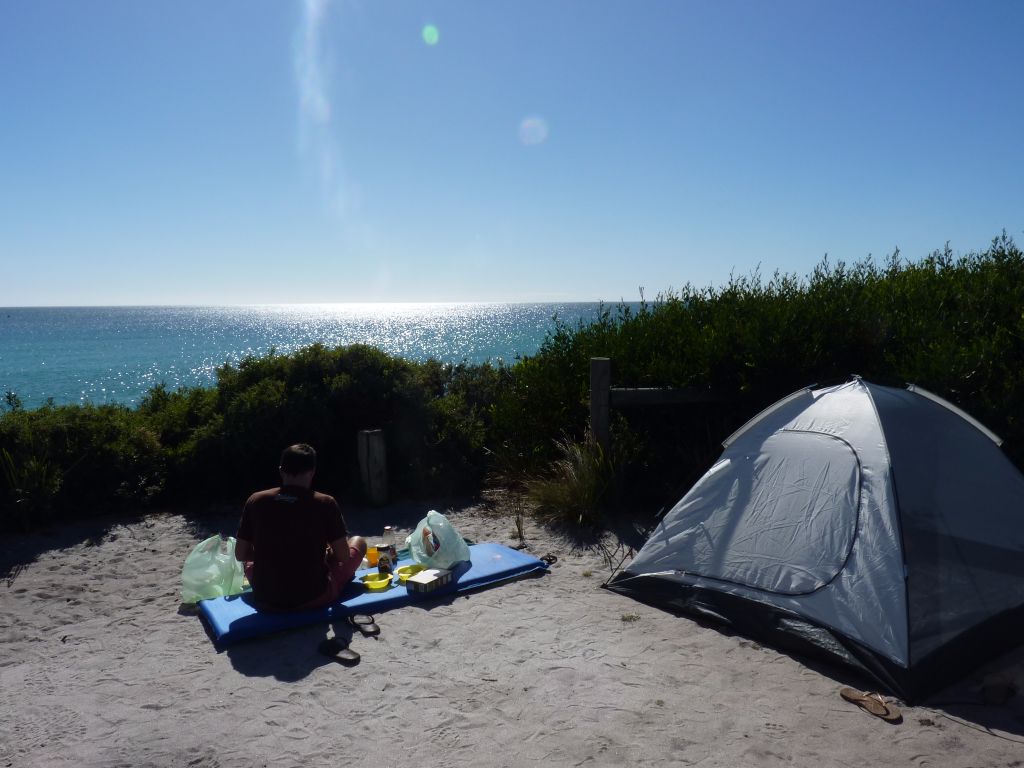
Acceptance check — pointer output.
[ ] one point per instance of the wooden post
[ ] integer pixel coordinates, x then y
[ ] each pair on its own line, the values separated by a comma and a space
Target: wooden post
373, 469
600, 400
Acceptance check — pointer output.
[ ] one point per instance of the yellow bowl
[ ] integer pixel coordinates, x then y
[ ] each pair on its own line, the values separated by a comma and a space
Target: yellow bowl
377, 580
408, 570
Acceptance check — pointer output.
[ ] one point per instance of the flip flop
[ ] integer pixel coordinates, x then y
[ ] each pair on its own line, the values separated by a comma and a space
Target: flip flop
338, 651
873, 703
364, 623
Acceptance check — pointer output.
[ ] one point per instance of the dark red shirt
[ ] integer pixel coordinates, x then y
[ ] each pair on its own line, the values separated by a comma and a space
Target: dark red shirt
289, 529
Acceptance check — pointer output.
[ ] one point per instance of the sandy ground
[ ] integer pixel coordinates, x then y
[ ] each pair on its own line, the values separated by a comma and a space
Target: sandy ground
101, 666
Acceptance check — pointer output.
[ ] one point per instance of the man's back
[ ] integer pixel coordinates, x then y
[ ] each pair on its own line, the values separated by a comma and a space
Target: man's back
289, 528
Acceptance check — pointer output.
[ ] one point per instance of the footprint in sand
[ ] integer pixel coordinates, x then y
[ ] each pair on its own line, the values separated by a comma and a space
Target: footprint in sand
37, 726
774, 730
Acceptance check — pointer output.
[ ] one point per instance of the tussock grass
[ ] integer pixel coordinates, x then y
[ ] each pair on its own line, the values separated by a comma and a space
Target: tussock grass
575, 486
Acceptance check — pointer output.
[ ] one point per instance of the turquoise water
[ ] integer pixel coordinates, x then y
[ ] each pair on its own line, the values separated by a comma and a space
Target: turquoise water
115, 354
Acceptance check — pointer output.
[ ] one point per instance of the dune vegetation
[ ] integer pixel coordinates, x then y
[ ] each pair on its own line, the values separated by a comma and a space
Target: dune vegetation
953, 324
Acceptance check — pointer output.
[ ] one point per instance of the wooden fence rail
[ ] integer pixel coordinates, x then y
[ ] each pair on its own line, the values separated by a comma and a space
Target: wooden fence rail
604, 397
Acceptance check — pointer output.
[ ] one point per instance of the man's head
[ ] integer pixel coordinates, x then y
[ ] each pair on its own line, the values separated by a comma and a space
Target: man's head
298, 463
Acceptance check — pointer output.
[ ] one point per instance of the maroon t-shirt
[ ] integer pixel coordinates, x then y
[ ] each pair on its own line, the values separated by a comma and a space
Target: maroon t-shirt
289, 529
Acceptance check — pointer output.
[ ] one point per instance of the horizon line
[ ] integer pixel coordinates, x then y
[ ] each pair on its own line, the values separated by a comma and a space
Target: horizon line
331, 304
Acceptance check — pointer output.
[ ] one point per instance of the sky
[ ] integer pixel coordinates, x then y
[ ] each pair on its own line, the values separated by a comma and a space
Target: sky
276, 151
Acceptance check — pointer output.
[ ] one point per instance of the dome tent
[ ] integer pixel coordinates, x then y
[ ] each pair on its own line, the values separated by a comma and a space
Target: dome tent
881, 527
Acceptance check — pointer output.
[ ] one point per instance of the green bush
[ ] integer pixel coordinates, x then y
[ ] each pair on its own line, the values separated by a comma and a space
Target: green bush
460, 400
954, 325
323, 397
93, 459
30, 486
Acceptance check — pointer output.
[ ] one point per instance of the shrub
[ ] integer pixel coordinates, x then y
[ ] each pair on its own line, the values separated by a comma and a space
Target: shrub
30, 487
85, 459
575, 486
953, 325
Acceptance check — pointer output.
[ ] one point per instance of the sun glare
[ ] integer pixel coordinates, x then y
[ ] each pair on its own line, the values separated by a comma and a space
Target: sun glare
533, 130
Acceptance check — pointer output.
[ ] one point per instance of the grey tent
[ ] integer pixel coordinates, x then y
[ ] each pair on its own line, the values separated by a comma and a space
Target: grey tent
882, 526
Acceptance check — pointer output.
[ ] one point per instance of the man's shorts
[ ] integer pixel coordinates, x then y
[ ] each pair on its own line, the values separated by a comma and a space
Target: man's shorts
338, 577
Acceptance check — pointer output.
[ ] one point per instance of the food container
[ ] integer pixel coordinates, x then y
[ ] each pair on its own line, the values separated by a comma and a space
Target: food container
428, 580
406, 571
376, 580
387, 542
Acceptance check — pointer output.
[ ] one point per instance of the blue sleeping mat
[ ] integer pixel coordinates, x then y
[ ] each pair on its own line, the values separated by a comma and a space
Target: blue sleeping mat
235, 618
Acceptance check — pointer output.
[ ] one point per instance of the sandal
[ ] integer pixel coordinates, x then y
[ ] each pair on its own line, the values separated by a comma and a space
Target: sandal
364, 623
338, 651
873, 703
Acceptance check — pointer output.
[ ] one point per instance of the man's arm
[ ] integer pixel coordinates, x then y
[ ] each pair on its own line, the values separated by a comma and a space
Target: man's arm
244, 550
340, 551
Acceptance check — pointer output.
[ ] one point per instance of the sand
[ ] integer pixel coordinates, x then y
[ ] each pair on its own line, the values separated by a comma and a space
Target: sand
101, 666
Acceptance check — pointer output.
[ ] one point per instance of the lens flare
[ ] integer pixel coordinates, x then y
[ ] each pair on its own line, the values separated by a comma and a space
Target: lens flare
533, 130
431, 35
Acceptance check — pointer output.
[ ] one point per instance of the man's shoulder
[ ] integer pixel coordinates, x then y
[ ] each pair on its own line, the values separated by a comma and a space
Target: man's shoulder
325, 499
273, 497
264, 495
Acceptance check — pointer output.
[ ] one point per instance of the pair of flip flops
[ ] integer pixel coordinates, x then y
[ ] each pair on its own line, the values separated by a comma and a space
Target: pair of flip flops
338, 650
873, 703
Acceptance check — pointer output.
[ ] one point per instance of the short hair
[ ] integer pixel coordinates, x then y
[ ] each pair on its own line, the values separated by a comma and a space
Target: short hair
298, 458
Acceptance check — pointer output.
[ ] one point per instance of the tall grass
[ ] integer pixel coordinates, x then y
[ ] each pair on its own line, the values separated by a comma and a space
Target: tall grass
575, 486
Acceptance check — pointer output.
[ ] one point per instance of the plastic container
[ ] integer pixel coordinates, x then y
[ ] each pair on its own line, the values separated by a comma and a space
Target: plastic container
408, 570
377, 580
428, 580
387, 553
388, 540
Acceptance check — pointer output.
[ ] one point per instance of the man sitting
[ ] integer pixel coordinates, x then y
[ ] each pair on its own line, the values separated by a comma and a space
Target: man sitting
294, 542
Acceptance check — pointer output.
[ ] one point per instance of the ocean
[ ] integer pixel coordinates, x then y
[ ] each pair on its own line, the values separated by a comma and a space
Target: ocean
116, 354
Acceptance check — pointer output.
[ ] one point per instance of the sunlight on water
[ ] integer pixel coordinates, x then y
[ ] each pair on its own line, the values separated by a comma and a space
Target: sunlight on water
116, 354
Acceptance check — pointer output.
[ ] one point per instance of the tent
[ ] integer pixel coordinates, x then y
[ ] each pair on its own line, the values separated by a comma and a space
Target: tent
881, 527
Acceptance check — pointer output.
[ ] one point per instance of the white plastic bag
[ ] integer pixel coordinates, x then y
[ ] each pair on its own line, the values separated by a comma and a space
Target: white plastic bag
435, 543
211, 570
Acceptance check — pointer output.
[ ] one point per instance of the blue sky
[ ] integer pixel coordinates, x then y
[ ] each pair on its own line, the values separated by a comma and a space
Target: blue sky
264, 151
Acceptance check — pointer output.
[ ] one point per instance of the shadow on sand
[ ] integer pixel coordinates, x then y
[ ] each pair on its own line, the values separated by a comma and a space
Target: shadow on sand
19, 550
990, 699
286, 656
